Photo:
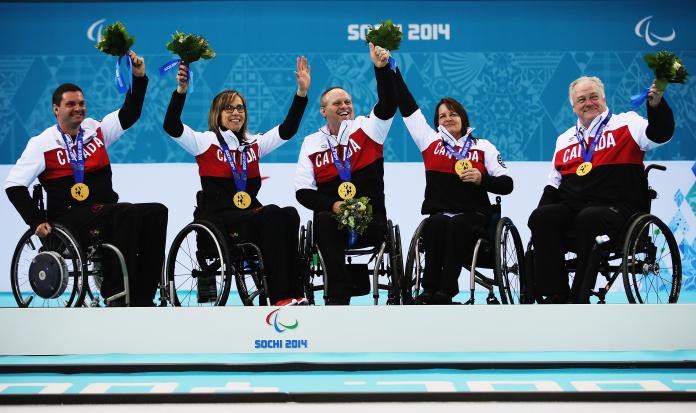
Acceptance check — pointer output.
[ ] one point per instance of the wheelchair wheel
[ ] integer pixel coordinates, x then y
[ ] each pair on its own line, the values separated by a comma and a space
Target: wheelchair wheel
651, 265
415, 262
199, 270
396, 263
48, 272
509, 261
306, 255
249, 274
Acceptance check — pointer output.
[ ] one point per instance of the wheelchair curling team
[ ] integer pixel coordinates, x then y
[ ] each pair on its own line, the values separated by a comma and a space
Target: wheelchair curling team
594, 186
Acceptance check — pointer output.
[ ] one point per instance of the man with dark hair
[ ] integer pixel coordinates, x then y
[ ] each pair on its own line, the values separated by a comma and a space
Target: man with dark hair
596, 184
355, 146
71, 162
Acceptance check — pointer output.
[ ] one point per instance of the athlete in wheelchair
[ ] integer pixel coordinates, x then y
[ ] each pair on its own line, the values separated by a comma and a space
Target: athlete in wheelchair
597, 206
463, 229
85, 246
342, 161
233, 234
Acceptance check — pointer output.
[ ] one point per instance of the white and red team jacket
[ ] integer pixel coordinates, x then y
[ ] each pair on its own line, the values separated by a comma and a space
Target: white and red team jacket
362, 140
617, 176
217, 180
444, 190
46, 157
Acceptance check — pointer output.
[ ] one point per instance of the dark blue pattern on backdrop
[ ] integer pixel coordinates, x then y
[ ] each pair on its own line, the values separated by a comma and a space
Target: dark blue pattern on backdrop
510, 63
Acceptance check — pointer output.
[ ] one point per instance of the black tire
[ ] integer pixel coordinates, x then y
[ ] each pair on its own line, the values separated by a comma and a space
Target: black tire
413, 273
396, 263
198, 249
66, 248
649, 251
307, 261
249, 275
509, 261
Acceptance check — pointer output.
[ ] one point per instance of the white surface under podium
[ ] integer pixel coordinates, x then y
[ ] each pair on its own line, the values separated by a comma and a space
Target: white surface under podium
532, 328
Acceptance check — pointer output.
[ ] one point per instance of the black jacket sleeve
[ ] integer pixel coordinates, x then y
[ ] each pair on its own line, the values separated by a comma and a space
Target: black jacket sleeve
315, 200
501, 185
133, 105
19, 196
291, 124
172, 119
407, 104
660, 122
386, 93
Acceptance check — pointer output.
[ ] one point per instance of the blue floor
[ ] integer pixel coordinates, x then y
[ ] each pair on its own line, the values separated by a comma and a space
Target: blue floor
618, 297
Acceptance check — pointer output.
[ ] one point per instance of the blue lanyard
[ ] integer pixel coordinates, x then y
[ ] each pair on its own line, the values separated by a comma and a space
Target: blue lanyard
342, 167
587, 154
240, 180
461, 154
77, 160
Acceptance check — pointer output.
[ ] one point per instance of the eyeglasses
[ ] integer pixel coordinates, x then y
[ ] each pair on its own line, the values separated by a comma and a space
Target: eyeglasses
231, 108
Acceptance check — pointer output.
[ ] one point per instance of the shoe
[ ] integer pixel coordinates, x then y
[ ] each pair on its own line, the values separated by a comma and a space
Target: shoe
338, 301
442, 298
555, 299
301, 301
285, 302
424, 298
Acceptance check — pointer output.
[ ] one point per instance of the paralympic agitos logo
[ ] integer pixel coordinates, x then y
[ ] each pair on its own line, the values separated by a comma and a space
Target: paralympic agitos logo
281, 325
272, 320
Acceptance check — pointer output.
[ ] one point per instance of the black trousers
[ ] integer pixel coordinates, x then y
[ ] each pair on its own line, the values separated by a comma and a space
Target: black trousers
550, 226
139, 231
275, 231
449, 244
332, 242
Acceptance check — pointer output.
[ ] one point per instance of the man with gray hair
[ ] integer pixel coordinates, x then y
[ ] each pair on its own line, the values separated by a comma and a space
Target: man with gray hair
596, 184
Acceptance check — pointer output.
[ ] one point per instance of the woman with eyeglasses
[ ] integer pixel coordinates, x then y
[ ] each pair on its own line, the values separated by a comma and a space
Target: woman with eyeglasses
460, 171
228, 164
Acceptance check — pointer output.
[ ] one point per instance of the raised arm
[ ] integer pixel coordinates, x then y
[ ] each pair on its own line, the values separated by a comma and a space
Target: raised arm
291, 124
133, 104
172, 119
387, 103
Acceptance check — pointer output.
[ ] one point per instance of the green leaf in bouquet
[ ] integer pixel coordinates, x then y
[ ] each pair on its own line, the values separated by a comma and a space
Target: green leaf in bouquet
668, 68
387, 36
115, 40
190, 47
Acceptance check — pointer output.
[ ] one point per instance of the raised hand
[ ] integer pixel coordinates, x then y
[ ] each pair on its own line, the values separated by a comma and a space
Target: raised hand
303, 76
138, 64
380, 56
654, 95
182, 77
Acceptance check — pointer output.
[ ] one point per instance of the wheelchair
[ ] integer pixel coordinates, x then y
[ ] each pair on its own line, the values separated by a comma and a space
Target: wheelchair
202, 262
646, 257
500, 250
384, 264
57, 271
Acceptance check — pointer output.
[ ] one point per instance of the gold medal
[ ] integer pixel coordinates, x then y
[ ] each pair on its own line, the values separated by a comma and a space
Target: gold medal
242, 200
584, 169
79, 191
346, 190
462, 165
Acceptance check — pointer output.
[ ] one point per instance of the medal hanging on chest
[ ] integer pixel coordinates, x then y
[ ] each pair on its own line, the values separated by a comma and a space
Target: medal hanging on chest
79, 191
462, 164
346, 190
241, 198
585, 167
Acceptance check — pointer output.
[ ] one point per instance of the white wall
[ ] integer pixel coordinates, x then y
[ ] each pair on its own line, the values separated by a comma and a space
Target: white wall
175, 185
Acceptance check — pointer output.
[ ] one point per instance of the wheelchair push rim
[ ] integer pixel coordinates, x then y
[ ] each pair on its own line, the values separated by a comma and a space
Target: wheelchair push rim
652, 270
63, 248
199, 250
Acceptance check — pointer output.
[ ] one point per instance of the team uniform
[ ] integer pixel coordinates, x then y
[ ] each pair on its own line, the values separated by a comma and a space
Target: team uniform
459, 211
317, 180
138, 230
272, 228
597, 203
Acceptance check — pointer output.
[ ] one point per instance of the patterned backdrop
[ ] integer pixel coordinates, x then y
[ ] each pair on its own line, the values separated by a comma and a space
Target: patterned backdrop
508, 62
